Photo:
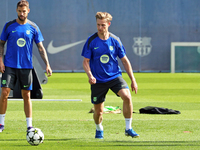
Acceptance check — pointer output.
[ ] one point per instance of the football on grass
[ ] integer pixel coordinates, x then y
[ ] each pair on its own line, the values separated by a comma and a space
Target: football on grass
34, 136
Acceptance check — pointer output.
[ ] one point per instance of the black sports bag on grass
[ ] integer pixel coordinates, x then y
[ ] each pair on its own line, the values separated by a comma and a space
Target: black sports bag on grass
157, 110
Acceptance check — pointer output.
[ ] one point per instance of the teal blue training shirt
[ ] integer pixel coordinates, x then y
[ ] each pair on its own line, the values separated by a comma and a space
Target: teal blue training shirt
103, 57
20, 43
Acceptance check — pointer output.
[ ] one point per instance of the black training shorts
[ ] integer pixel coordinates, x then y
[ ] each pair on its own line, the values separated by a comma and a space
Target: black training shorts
11, 75
99, 90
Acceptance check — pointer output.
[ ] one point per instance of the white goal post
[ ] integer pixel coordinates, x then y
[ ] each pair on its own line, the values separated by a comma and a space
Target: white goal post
173, 45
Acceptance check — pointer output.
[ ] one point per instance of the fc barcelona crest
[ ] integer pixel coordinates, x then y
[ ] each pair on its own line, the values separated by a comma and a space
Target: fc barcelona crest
142, 46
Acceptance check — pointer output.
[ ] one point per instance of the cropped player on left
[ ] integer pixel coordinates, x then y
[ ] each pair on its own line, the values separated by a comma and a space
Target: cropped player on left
17, 65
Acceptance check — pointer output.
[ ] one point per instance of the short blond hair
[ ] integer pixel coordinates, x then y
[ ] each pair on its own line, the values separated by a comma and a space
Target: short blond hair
103, 15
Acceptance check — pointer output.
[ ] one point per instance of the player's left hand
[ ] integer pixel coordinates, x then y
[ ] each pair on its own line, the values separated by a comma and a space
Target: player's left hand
49, 71
134, 86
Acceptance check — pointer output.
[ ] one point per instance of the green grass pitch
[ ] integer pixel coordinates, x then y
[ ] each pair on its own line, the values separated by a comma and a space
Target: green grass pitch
68, 125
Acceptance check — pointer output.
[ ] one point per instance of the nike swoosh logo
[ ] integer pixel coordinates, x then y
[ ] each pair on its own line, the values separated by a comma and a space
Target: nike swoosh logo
53, 50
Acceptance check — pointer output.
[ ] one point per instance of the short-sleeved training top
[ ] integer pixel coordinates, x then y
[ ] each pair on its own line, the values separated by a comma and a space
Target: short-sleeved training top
103, 57
20, 43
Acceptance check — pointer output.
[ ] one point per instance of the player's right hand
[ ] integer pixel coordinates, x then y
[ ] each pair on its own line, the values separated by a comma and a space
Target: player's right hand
2, 67
92, 80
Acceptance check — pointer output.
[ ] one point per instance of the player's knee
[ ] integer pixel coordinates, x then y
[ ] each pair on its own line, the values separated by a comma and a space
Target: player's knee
98, 112
4, 95
126, 95
26, 94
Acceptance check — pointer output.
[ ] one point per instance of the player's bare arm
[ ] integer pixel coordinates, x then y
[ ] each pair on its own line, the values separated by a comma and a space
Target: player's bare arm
127, 65
43, 55
86, 67
2, 67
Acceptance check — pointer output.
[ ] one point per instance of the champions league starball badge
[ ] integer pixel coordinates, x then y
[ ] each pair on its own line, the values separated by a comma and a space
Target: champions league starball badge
142, 46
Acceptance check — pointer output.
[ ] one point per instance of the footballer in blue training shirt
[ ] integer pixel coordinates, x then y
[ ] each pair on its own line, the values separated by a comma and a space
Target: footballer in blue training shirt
100, 53
19, 35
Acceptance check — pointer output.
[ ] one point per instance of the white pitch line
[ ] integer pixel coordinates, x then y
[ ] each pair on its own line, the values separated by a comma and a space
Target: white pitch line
47, 99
